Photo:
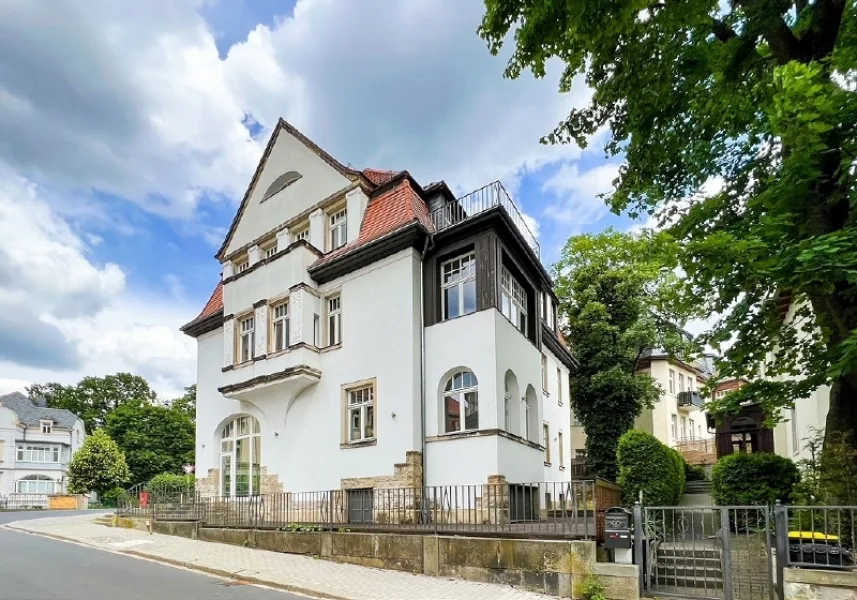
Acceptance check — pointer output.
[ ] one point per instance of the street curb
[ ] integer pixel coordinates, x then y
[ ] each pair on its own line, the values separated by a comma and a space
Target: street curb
189, 565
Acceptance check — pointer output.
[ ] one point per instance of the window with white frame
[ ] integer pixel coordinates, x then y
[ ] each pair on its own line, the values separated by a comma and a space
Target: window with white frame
561, 450
683, 427
47, 426
513, 303
672, 382
461, 402
337, 229
680, 382
544, 373
690, 384
334, 320
692, 429
546, 442
674, 426
242, 265
246, 338
361, 413
580, 453
38, 454
35, 484
458, 286
559, 386
316, 330
241, 457
301, 234
575, 420
271, 250
507, 406
280, 327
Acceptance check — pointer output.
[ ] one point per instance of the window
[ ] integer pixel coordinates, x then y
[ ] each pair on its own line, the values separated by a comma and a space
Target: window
795, 440
458, 286
461, 392
316, 330
674, 426
280, 183
544, 373
699, 431
47, 426
543, 306
580, 454
507, 406
672, 381
35, 484
574, 420
683, 427
241, 457
243, 265
558, 386
361, 413
334, 320
514, 301
553, 317
690, 384
247, 338
337, 231
546, 442
561, 450
301, 234
680, 382
38, 454
281, 328
692, 429
270, 250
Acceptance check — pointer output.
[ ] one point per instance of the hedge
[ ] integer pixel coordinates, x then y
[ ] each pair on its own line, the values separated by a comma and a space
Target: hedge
171, 481
648, 465
694, 473
753, 479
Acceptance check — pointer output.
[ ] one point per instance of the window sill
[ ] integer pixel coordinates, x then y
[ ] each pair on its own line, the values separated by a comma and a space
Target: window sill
331, 348
359, 444
278, 353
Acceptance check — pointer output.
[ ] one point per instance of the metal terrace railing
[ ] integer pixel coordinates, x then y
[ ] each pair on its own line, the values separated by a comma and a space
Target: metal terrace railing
479, 201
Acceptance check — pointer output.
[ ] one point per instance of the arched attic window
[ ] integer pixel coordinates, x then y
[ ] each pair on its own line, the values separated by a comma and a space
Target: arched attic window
280, 183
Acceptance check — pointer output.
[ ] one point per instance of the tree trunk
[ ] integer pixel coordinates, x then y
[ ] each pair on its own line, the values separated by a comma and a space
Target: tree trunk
842, 414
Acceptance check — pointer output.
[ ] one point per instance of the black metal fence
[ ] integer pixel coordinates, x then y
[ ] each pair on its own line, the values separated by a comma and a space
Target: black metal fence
821, 536
571, 509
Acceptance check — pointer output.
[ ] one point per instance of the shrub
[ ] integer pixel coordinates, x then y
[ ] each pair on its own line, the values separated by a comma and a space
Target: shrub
171, 481
694, 473
753, 479
648, 465
110, 498
98, 466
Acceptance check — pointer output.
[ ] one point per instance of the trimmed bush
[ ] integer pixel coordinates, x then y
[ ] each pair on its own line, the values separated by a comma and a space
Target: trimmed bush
648, 465
694, 473
753, 479
171, 481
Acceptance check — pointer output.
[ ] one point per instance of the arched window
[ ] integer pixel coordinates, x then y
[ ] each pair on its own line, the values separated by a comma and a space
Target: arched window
280, 183
461, 394
511, 401
36, 484
531, 414
240, 457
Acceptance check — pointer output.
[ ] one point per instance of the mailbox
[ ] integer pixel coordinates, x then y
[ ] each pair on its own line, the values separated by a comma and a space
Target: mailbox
617, 528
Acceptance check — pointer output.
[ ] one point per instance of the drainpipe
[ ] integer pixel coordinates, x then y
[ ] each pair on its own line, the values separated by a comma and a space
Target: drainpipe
426, 247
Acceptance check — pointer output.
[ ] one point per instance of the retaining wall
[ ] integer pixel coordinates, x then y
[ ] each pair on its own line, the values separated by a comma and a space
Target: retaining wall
811, 584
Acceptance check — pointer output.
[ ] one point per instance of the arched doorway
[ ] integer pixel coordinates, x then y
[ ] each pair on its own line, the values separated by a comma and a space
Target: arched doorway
240, 457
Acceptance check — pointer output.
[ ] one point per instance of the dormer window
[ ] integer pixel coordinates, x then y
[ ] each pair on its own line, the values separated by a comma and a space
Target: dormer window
300, 233
47, 426
269, 251
242, 265
337, 229
281, 183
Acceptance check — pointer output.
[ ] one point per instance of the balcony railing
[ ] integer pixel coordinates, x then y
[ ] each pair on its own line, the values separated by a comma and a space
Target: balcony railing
474, 203
690, 399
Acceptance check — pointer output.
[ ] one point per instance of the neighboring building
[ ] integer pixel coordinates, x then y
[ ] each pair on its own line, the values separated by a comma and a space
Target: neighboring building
791, 435
36, 445
371, 332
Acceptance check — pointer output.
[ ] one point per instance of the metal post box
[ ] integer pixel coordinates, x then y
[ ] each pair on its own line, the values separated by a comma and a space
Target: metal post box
617, 528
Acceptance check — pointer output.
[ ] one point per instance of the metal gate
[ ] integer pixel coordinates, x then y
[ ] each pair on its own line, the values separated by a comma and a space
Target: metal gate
724, 552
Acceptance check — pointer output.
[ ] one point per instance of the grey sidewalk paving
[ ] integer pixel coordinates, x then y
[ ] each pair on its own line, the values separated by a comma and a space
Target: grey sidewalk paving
295, 573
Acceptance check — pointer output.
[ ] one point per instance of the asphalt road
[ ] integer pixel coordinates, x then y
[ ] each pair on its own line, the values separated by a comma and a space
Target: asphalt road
38, 568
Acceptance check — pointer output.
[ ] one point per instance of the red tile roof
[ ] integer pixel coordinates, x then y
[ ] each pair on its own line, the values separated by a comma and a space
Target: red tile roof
379, 176
212, 307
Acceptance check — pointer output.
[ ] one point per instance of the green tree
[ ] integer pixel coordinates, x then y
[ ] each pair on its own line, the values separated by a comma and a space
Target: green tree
614, 295
155, 439
738, 125
99, 466
93, 398
187, 402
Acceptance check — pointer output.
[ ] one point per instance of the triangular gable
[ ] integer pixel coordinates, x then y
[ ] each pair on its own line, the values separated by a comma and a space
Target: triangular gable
278, 147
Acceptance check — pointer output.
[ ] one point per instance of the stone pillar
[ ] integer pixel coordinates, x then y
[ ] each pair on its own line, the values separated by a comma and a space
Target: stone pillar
317, 231
355, 205
495, 500
261, 325
229, 342
254, 254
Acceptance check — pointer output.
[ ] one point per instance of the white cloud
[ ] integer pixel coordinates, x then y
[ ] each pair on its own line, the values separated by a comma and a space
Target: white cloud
578, 193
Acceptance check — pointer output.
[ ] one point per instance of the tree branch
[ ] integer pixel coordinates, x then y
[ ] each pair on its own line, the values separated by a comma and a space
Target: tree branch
722, 31
823, 32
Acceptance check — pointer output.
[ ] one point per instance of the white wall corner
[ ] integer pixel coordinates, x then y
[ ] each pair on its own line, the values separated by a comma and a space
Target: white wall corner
296, 317
254, 254
355, 203
228, 269
316, 229
228, 342
261, 324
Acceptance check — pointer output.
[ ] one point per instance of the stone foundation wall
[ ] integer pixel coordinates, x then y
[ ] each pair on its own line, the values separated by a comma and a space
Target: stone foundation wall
408, 474
209, 487
811, 584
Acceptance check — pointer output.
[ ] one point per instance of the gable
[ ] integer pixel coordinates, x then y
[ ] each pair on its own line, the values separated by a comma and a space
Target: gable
293, 175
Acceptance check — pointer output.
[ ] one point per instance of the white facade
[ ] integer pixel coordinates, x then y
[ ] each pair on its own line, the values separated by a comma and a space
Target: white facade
35, 451
670, 421
311, 379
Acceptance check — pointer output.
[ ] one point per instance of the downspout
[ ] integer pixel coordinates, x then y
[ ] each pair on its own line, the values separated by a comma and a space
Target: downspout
426, 247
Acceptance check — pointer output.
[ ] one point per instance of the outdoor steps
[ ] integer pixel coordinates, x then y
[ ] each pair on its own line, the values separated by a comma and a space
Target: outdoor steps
697, 487
689, 582
689, 566
688, 552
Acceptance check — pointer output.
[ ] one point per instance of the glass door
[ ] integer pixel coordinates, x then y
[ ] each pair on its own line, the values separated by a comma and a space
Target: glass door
226, 475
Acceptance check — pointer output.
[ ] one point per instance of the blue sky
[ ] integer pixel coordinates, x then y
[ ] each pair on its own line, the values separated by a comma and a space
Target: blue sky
130, 134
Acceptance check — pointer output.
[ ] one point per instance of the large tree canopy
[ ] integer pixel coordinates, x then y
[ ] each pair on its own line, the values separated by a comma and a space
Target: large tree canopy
615, 295
737, 122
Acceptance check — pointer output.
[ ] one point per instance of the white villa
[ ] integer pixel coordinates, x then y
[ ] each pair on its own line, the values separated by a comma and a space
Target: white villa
36, 445
371, 332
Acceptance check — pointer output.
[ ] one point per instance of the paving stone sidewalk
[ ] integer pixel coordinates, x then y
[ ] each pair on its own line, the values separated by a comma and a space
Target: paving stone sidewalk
302, 574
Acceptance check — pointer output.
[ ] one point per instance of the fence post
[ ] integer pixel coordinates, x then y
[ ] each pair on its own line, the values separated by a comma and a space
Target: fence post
781, 539
726, 553
638, 544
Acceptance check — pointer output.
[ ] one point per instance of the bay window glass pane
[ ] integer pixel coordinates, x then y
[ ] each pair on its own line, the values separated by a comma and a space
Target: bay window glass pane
242, 467
452, 410
370, 421
354, 420
257, 463
452, 302
469, 296
471, 413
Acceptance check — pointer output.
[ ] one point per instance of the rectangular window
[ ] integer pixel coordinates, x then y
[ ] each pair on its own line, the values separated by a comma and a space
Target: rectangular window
270, 250
580, 454
558, 386
46, 426
281, 330
546, 441
544, 373
674, 426
316, 330
574, 420
35, 486
672, 381
361, 413
20, 453
458, 286
38, 454
690, 384
795, 440
243, 265
680, 382
513, 303
334, 320
561, 450
56, 456
337, 231
554, 317
300, 234
683, 427
246, 338
692, 429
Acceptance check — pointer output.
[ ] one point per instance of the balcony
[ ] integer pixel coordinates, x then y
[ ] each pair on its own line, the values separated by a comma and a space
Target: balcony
690, 400
483, 199
698, 451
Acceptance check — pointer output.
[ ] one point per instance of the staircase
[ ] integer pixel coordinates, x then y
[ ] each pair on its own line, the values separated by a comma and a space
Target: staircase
698, 487
689, 567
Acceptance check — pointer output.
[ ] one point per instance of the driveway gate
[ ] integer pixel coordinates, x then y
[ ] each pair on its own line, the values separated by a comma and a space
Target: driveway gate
724, 552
